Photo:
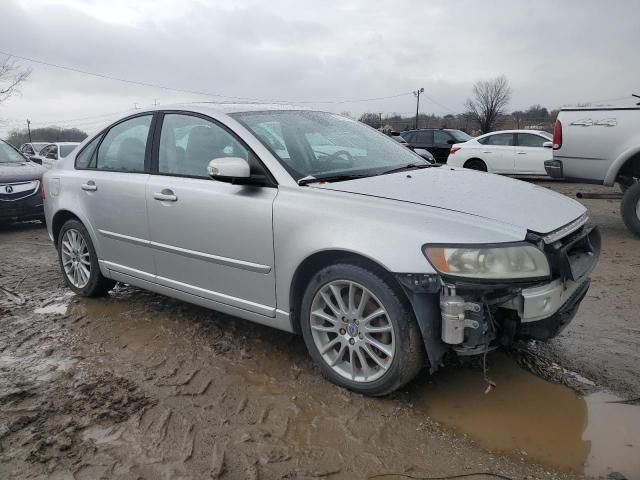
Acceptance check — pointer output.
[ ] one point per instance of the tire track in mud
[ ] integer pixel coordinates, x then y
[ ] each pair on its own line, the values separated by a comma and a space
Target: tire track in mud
141, 386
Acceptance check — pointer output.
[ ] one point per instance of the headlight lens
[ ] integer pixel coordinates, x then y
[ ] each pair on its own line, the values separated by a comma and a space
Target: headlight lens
501, 263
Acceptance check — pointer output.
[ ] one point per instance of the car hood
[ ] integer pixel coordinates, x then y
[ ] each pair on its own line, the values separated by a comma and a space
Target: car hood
17, 172
486, 195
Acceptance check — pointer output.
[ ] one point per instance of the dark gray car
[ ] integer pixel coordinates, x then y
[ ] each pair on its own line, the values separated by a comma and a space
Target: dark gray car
20, 197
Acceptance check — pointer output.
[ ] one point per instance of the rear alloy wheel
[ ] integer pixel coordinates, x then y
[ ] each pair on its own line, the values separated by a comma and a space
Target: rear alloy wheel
360, 331
476, 164
630, 208
79, 262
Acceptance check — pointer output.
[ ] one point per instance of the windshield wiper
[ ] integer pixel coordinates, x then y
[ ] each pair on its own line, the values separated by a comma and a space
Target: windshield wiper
330, 178
408, 166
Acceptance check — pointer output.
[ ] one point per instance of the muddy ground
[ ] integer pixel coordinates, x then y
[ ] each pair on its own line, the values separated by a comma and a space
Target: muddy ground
139, 386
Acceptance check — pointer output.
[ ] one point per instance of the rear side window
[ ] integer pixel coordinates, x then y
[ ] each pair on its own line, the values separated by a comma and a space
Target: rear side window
83, 159
124, 146
530, 140
499, 139
425, 138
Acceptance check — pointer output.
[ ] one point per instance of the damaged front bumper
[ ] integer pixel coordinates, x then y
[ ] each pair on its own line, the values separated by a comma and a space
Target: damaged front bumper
472, 318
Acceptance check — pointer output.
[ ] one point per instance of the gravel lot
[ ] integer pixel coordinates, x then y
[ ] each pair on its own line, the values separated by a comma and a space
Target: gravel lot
135, 385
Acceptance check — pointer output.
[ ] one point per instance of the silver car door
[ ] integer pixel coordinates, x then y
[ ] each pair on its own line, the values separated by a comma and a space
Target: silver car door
113, 193
209, 238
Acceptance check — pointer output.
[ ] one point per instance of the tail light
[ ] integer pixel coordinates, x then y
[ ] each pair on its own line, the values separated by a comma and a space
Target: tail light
453, 150
43, 195
557, 135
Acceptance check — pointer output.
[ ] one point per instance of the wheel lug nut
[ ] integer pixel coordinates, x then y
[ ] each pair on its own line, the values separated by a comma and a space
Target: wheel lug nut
351, 341
342, 331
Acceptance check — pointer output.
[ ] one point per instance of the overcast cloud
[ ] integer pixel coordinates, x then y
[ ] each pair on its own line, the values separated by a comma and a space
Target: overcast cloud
552, 52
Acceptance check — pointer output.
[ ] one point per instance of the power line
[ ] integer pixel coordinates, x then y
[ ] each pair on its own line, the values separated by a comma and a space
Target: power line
192, 92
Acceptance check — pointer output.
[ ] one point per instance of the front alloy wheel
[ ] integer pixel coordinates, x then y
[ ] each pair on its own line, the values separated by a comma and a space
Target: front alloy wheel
352, 331
360, 329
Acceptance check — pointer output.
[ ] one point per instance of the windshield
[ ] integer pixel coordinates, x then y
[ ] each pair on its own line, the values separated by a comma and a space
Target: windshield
460, 136
323, 144
9, 155
66, 150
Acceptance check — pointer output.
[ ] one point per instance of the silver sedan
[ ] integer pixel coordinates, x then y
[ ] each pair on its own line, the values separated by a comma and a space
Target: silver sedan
316, 224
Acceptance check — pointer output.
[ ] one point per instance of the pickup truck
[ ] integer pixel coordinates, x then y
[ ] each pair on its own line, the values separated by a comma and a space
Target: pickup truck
601, 145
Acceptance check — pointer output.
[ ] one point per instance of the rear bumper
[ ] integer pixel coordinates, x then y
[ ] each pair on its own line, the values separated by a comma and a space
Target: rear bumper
554, 168
29, 208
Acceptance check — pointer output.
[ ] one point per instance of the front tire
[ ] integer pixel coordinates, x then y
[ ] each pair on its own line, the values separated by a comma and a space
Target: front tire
79, 262
360, 330
630, 208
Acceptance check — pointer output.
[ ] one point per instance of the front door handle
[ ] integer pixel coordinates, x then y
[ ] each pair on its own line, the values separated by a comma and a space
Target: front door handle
487, 151
165, 195
521, 153
90, 186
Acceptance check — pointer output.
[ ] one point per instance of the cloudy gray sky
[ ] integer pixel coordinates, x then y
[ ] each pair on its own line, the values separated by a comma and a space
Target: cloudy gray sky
552, 52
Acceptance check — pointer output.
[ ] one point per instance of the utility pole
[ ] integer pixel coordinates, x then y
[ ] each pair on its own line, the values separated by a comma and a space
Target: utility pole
417, 94
155, 102
380, 119
29, 129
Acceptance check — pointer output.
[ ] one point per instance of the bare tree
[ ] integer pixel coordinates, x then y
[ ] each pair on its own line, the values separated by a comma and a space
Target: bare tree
490, 97
11, 76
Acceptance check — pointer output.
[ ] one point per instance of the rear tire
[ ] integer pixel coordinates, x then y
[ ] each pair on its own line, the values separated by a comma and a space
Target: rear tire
630, 208
476, 164
342, 336
79, 262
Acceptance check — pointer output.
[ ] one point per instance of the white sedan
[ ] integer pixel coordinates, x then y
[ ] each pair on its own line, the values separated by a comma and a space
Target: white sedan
53, 152
512, 152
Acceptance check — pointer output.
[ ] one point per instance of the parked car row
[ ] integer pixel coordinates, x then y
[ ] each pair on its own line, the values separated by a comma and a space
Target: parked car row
53, 152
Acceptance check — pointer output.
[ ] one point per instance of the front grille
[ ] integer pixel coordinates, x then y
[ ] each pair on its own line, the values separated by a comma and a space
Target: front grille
574, 256
10, 192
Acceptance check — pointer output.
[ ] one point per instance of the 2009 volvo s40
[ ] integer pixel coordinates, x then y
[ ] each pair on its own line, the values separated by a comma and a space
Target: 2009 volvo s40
314, 223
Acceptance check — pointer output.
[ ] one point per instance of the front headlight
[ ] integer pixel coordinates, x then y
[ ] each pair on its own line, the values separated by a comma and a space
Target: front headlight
489, 263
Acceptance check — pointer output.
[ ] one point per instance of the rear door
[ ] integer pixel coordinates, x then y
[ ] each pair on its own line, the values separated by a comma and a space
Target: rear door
498, 152
211, 239
112, 179
530, 154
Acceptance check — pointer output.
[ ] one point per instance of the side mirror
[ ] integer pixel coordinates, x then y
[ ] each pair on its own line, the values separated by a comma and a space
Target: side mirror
547, 144
228, 169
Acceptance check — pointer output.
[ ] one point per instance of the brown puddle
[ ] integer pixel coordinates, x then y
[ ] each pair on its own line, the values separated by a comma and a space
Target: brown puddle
532, 419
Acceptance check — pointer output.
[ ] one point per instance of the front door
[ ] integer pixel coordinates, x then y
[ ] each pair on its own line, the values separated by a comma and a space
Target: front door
531, 155
209, 238
112, 183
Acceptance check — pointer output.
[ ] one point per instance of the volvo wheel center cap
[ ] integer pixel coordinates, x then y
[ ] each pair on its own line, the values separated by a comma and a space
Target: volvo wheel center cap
352, 329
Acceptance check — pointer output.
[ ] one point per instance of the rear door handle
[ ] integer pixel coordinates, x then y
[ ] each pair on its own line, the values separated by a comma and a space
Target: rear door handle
90, 186
487, 151
165, 195
521, 153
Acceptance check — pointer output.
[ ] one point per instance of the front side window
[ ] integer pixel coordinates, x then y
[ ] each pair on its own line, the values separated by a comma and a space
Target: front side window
499, 139
189, 143
27, 149
530, 140
440, 137
324, 144
45, 151
53, 152
124, 146
459, 136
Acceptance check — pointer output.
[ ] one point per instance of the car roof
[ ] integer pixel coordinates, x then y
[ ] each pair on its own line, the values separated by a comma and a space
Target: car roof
515, 131
227, 108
